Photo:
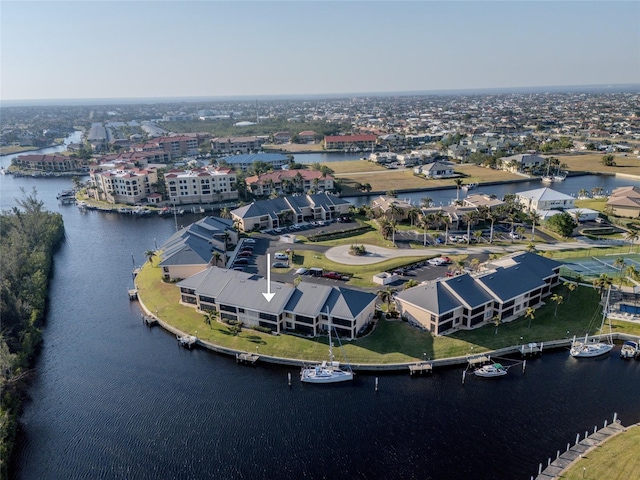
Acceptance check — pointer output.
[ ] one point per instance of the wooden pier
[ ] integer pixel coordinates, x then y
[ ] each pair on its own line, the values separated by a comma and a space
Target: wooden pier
133, 294
531, 350
480, 360
421, 368
247, 358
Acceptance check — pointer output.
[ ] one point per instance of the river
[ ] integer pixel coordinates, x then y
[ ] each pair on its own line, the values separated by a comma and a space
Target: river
113, 399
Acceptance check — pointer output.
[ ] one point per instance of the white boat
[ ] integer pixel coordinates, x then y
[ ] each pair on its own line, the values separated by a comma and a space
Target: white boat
589, 349
493, 370
629, 349
560, 176
547, 179
327, 372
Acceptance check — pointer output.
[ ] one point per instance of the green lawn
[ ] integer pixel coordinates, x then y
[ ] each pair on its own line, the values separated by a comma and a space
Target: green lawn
616, 459
392, 341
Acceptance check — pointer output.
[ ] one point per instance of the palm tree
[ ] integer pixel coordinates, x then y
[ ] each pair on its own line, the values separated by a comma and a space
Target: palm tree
216, 257
530, 314
631, 271
426, 202
469, 218
393, 224
210, 316
447, 222
386, 295
531, 248
496, 321
520, 231
411, 283
602, 283
632, 237
413, 215
558, 299
225, 213
535, 218
424, 223
571, 286
492, 216
394, 211
477, 235
619, 264
459, 183
150, 254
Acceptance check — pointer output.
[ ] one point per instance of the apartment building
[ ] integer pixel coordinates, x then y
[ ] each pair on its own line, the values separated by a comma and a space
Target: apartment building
124, 185
233, 145
48, 163
289, 181
504, 290
305, 309
201, 185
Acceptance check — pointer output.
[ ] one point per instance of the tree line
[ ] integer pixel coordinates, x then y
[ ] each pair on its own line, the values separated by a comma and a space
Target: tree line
29, 235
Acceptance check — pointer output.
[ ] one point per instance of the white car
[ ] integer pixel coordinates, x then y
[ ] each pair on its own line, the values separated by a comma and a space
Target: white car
302, 271
249, 240
280, 256
514, 235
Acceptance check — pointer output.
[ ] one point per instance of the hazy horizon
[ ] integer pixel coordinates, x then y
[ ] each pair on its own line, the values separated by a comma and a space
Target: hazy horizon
483, 91
67, 50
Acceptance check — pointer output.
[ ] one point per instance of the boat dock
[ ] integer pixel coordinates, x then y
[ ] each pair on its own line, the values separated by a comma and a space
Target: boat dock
187, 341
556, 468
247, 358
133, 294
480, 360
421, 368
531, 349
149, 321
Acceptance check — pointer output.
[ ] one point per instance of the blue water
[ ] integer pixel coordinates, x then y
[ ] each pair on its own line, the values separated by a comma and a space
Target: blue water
113, 399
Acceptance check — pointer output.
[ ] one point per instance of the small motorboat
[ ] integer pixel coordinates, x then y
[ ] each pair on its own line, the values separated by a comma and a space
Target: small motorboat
629, 349
493, 370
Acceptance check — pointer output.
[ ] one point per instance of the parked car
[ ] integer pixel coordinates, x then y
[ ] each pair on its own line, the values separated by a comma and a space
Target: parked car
280, 256
239, 269
439, 261
280, 265
514, 235
302, 271
249, 240
241, 261
245, 254
334, 276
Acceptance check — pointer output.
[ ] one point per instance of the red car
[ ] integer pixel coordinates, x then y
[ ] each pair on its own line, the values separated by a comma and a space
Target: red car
333, 276
245, 254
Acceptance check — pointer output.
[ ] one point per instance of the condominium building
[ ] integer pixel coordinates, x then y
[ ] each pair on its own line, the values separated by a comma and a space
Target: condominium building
201, 185
306, 309
127, 185
48, 163
289, 181
235, 145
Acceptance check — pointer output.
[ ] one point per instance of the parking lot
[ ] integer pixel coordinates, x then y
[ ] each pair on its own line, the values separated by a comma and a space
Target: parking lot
256, 263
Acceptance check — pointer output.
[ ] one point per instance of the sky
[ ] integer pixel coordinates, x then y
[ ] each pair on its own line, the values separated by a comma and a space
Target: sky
139, 49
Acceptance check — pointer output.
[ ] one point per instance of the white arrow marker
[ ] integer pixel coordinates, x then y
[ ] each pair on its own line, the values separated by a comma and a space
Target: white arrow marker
268, 296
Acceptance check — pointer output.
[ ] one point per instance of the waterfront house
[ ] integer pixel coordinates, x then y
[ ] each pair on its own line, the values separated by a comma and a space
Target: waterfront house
192, 249
625, 202
521, 162
544, 198
435, 170
307, 136
504, 290
304, 309
385, 206
478, 200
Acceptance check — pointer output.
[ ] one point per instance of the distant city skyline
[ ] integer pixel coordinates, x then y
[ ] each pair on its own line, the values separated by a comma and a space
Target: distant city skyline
180, 49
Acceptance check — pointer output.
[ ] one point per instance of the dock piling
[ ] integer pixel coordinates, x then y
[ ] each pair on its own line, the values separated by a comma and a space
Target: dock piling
289, 377
524, 365
464, 373
376, 387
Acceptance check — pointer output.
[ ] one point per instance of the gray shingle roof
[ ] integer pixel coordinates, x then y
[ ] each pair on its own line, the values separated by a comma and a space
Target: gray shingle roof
465, 288
308, 299
347, 303
508, 283
433, 297
193, 245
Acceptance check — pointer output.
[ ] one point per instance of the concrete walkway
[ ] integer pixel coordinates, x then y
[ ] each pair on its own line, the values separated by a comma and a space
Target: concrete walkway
376, 254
